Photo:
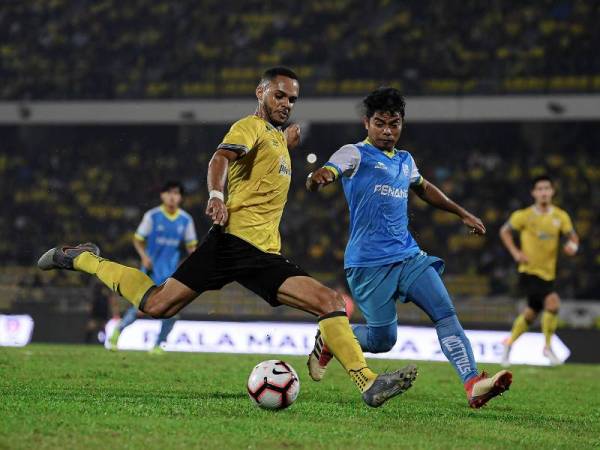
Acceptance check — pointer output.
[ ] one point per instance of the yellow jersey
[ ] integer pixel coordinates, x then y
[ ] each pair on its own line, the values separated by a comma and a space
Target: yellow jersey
257, 182
540, 238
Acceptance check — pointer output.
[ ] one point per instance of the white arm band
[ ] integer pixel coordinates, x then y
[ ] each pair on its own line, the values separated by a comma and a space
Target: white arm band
216, 194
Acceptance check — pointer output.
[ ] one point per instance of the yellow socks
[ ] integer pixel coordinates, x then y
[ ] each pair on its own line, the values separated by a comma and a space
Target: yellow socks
337, 334
549, 325
128, 282
520, 326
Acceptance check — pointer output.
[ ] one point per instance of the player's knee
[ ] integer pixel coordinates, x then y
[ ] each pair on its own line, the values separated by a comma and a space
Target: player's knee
382, 339
329, 301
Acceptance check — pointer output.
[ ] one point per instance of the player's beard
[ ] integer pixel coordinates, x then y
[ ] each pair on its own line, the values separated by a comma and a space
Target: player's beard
272, 119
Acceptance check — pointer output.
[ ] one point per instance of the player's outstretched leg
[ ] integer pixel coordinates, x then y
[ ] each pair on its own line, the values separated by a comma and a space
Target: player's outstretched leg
309, 295
429, 293
162, 301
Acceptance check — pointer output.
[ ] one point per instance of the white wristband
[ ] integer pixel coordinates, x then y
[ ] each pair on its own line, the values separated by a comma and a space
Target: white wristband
216, 194
573, 246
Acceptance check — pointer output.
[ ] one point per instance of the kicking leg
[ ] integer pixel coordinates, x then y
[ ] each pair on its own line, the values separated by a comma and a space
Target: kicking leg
429, 293
309, 295
132, 284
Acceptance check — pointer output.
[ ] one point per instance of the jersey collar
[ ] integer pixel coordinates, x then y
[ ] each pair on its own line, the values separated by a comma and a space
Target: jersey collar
540, 213
390, 154
168, 215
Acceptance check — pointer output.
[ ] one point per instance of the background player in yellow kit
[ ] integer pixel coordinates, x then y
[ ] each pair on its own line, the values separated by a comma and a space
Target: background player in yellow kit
540, 227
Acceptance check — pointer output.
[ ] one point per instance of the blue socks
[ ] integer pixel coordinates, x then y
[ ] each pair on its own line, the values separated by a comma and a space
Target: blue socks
129, 317
165, 328
456, 347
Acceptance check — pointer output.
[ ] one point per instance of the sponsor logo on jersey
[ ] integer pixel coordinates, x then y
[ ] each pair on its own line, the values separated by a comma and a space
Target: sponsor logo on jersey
167, 242
380, 165
386, 190
284, 168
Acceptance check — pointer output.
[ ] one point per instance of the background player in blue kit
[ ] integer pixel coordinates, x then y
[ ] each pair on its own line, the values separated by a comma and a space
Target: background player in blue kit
158, 241
383, 262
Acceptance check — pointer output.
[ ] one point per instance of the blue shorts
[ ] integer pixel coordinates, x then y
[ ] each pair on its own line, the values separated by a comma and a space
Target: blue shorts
376, 289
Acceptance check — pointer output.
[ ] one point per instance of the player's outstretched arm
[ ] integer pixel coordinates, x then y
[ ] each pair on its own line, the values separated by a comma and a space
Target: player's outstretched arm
215, 180
431, 194
319, 178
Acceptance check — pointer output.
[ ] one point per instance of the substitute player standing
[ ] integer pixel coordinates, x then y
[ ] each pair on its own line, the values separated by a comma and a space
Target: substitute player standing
540, 227
383, 262
158, 241
244, 243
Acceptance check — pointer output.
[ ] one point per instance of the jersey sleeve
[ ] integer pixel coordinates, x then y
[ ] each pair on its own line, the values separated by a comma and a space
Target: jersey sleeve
344, 162
517, 220
241, 137
566, 225
190, 234
144, 228
415, 176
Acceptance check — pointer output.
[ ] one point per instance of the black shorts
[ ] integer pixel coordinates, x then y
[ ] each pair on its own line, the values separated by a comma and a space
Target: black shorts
222, 258
536, 290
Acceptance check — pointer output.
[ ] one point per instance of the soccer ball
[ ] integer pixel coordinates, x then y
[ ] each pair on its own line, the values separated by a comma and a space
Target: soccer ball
273, 384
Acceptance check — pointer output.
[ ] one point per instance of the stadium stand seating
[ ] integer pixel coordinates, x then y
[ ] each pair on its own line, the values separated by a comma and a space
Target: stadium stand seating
107, 49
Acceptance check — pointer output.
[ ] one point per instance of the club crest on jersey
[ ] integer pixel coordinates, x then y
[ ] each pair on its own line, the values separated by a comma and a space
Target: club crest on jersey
405, 169
284, 168
380, 165
386, 190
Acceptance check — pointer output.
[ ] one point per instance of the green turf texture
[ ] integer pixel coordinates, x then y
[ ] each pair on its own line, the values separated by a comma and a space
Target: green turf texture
64, 397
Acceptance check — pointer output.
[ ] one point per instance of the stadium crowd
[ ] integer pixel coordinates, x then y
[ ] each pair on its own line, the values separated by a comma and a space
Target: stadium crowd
63, 49
94, 183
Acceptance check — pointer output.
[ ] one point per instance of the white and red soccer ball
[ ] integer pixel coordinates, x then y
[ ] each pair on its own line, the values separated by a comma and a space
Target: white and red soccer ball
273, 384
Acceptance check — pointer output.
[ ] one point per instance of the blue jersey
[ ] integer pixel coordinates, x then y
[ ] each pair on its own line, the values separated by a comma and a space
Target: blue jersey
164, 235
376, 185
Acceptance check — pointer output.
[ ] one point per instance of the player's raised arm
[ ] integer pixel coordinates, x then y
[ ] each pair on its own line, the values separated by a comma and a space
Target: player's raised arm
344, 162
433, 195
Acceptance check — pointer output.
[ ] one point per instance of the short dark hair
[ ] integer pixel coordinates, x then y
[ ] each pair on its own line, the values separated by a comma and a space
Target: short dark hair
384, 99
172, 185
544, 177
270, 74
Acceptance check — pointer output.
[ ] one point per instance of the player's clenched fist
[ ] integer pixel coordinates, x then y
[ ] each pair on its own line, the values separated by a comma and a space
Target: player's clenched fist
319, 178
292, 136
217, 211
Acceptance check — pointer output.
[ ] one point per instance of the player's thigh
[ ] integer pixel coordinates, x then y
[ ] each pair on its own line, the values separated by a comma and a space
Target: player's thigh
374, 290
307, 294
530, 314
552, 302
167, 299
429, 293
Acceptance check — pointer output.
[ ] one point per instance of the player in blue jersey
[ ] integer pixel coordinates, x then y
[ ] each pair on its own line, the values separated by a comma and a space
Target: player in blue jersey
158, 241
383, 262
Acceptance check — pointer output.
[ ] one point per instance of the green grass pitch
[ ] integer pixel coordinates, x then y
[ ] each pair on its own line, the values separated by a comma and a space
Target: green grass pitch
59, 396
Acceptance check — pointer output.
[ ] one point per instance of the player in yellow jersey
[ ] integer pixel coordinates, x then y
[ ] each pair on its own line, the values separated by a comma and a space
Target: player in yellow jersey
540, 227
244, 243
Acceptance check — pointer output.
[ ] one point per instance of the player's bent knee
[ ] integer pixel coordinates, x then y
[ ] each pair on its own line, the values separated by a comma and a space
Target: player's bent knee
382, 339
